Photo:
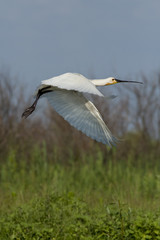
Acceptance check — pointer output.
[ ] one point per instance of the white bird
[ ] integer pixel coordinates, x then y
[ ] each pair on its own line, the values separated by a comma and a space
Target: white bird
65, 93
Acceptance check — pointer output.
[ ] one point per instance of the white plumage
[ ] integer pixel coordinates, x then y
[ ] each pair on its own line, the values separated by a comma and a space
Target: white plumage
65, 94
80, 113
73, 81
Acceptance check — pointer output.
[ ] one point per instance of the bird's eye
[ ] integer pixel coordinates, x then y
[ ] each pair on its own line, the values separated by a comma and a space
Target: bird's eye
112, 79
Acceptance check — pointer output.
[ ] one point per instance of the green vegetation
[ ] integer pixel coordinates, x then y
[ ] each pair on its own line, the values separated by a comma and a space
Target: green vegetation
87, 199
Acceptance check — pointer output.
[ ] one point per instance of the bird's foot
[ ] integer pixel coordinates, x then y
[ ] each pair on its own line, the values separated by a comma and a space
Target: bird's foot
28, 111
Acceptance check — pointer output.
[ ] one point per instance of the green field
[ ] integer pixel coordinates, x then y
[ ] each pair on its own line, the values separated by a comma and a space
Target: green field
86, 199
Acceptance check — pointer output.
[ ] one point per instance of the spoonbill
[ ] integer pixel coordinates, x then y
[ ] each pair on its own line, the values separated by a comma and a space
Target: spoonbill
65, 93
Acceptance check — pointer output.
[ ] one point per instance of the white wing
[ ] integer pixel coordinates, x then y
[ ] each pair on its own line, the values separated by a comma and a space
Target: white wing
81, 114
73, 81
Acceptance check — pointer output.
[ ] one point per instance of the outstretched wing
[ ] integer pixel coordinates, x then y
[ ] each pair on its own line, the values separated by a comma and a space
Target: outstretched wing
80, 113
73, 81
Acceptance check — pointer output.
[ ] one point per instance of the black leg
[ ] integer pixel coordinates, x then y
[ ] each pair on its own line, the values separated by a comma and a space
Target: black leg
31, 109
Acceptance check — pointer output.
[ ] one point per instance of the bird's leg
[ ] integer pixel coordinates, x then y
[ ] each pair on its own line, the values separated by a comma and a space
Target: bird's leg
29, 110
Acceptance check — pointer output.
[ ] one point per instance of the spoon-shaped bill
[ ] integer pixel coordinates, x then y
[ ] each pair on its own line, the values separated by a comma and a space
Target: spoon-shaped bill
119, 81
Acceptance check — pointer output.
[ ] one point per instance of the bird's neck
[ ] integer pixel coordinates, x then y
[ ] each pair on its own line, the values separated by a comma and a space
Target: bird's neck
99, 82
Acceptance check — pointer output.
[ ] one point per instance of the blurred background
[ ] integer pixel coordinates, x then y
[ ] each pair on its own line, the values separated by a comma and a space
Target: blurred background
41, 39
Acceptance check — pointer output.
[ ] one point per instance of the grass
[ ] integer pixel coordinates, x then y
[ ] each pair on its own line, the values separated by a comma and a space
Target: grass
68, 217
83, 199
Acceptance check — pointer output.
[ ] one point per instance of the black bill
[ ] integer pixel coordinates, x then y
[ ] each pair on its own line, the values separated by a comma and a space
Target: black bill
119, 81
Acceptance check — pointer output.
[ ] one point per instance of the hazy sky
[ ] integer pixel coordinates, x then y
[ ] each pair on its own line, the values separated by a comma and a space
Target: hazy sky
43, 38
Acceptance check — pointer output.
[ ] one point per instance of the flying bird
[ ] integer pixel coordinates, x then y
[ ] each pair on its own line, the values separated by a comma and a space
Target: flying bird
66, 92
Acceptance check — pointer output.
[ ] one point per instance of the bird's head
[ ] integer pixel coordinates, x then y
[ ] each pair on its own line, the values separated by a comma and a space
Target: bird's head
111, 81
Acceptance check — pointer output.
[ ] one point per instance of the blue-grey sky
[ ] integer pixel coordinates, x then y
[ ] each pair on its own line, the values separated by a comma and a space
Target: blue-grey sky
43, 38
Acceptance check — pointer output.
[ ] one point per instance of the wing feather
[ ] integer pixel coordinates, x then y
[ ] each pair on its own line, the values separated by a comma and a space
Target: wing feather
72, 81
80, 113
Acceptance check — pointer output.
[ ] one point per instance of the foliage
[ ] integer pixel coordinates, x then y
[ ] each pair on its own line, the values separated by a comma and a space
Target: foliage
93, 200
67, 217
